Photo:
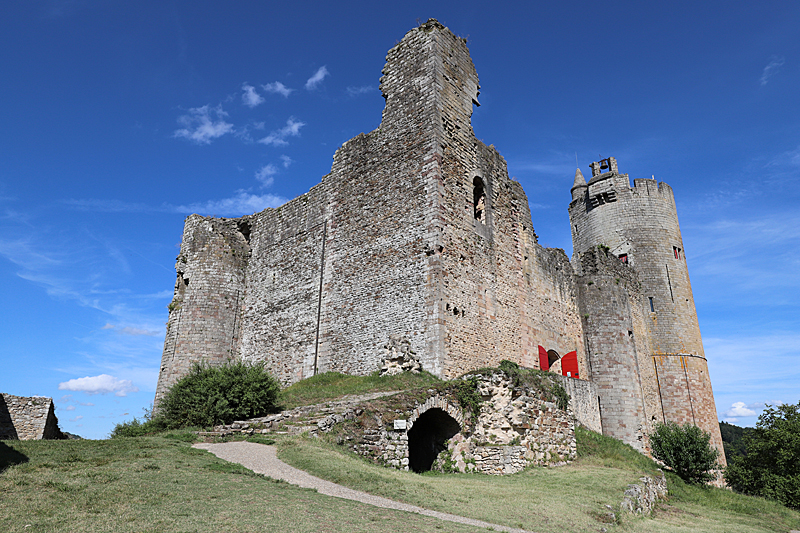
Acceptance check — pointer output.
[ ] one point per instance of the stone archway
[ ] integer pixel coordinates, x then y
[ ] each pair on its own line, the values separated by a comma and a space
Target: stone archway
428, 437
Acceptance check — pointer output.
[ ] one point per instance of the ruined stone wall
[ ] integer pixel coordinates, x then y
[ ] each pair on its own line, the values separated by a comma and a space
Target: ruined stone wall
204, 312
386, 245
282, 286
502, 294
28, 418
515, 429
604, 290
583, 401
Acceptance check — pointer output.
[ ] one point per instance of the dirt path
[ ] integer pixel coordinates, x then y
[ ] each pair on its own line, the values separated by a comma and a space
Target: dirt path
263, 459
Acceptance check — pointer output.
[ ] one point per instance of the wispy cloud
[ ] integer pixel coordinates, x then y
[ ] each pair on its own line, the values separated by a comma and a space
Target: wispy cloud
277, 87
102, 384
241, 203
203, 124
775, 63
266, 174
250, 97
278, 137
717, 253
356, 91
286, 161
314, 81
127, 330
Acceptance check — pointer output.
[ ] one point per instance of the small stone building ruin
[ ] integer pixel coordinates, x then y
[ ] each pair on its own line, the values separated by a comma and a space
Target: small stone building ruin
418, 238
28, 418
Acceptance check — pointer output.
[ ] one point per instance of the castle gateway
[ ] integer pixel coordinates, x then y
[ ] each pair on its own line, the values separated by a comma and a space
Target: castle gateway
417, 237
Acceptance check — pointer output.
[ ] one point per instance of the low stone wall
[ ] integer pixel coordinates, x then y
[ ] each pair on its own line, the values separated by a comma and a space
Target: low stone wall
28, 418
584, 401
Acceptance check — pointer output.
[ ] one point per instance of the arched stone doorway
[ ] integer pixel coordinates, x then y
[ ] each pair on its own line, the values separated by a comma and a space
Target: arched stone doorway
428, 437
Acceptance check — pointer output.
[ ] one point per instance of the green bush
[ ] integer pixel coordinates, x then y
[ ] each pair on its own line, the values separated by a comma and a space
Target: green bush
771, 466
686, 450
138, 428
209, 396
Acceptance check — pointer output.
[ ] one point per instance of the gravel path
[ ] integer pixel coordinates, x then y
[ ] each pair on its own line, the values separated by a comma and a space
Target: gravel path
263, 459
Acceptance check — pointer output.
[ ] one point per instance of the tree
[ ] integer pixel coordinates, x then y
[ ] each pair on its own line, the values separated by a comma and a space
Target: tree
686, 450
771, 467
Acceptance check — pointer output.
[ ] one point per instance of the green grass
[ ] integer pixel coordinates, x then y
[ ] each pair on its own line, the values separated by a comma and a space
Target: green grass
333, 385
157, 484
569, 498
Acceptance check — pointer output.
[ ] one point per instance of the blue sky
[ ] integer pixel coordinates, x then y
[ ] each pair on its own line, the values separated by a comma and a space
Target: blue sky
121, 118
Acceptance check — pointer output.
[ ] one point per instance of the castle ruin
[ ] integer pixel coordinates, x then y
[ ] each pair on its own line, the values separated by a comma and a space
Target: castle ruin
418, 236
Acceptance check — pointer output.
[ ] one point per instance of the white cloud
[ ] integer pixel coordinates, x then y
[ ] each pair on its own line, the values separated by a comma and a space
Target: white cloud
76, 418
739, 409
771, 69
317, 78
265, 174
242, 203
67, 408
102, 384
203, 124
278, 88
250, 97
278, 137
355, 91
286, 161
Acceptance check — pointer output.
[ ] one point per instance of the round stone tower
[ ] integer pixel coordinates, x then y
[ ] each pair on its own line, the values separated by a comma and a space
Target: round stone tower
639, 226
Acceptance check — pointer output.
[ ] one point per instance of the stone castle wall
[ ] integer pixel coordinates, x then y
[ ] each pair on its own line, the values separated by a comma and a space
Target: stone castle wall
28, 418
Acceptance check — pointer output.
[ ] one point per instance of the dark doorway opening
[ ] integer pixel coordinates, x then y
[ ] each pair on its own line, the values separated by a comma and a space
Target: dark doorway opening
429, 437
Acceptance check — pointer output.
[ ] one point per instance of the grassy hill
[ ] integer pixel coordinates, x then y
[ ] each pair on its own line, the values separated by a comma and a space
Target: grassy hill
159, 483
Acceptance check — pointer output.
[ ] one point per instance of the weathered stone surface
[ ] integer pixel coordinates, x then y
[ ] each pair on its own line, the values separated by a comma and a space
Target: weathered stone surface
28, 418
640, 498
399, 358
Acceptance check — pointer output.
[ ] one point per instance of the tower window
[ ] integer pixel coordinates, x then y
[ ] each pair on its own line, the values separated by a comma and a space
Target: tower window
479, 200
652, 309
623, 258
677, 252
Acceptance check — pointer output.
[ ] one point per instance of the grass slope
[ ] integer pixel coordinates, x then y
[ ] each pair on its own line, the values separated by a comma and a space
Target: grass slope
569, 498
333, 385
157, 484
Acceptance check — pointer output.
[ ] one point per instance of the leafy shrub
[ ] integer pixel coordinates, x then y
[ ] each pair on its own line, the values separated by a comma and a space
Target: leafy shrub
466, 391
209, 396
771, 467
138, 428
686, 450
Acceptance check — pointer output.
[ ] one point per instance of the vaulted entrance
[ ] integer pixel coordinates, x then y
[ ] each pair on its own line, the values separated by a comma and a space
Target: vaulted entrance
428, 437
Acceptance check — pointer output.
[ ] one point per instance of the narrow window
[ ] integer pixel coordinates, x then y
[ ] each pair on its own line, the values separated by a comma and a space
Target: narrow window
652, 309
623, 258
479, 199
677, 252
